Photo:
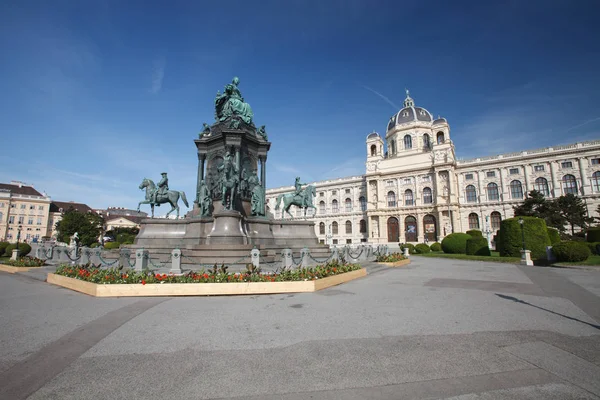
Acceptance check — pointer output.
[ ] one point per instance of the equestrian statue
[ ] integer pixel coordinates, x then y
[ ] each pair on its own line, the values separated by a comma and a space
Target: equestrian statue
301, 198
229, 181
160, 194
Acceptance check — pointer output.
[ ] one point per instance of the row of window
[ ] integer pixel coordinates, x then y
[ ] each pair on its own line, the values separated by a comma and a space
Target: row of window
21, 220
347, 205
362, 227
408, 143
536, 168
569, 184
409, 198
495, 219
23, 206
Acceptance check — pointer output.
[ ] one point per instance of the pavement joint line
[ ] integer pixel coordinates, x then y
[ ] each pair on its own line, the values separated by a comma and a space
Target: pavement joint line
428, 388
28, 376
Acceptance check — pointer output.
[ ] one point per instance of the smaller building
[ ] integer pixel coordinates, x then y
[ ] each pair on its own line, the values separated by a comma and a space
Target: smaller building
119, 217
57, 208
23, 209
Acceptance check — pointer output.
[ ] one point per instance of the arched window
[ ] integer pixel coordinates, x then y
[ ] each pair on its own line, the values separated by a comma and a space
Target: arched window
1, 215
322, 209
569, 184
348, 204
363, 203
471, 194
516, 190
595, 182
334, 206
392, 146
407, 142
363, 226
426, 141
492, 192
440, 137
348, 227
373, 150
322, 228
391, 199
541, 185
427, 196
408, 197
495, 218
334, 228
473, 221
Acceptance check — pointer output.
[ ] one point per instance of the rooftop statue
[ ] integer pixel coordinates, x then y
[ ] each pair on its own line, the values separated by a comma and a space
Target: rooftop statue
231, 103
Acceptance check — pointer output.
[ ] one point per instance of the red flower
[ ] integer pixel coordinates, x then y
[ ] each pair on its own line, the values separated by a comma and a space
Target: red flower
143, 282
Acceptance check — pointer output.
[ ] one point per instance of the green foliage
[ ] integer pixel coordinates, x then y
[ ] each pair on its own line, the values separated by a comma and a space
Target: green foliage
409, 246
554, 235
594, 247
125, 238
393, 257
87, 225
25, 262
217, 274
510, 242
571, 251
573, 209
94, 245
593, 234
422, 248
116, 231
24, 249
475, 232
436, 247
536, 205
112, 245
455, 243
3, 246
478, 246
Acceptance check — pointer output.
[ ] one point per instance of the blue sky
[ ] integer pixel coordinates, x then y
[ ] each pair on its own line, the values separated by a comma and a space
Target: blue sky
97, 95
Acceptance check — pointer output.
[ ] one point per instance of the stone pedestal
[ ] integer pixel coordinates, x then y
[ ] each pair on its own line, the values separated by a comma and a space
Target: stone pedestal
526, 257
227, 228
15, 254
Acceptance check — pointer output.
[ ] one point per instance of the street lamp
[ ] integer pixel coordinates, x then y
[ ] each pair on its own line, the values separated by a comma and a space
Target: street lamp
522, 232
18, 236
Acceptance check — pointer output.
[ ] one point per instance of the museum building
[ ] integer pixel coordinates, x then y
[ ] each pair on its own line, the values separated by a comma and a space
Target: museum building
415, 189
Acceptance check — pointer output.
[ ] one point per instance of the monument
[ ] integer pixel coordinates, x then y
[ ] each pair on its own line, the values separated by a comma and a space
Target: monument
228, 218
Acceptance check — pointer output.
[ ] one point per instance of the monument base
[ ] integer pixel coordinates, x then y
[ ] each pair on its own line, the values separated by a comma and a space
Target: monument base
227, 228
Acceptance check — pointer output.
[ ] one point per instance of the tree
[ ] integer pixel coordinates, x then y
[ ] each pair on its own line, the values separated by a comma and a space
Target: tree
598, 212
574, 211
536, 205
87, 225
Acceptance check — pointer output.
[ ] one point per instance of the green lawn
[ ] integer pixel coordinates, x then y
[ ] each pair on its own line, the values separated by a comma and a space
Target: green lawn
592, 260
2, 259
495, 257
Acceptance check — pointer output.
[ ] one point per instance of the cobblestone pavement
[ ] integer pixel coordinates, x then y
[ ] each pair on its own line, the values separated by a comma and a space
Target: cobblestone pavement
435, 329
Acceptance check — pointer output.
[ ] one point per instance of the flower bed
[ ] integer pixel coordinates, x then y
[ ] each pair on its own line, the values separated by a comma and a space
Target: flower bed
390, 258
218, 281
25, 262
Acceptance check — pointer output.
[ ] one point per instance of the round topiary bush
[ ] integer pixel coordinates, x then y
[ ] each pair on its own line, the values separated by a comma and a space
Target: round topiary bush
594, 247
455, 243
478, 246
436, 247
112, 245
571, 251
593, 234
3, 246
422, 248
553, 235
475, 232
411, 248
510, 242
24, 249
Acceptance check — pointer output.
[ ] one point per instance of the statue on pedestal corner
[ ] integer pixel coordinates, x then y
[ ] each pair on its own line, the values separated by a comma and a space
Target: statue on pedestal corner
258, 195
204, 199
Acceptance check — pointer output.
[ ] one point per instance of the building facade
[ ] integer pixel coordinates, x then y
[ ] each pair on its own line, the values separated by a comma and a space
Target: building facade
24, 209
415, 189
57, 209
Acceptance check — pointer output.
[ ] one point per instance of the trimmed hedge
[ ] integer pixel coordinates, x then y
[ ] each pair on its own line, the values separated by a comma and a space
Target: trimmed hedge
455, 243
422, 248
475, 233
594, 247
510, 242
112, 245
3, 246
24, 249
478, 246
593, 235
571, 251
553, 235
436, 247
94, 245
411, 248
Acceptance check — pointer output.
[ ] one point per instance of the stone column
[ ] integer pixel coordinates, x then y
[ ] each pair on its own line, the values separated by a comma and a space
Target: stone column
201, 159
480, 186
237, 158
502, 184
420, 229
555, 184
526, 175
263, 172
584, 180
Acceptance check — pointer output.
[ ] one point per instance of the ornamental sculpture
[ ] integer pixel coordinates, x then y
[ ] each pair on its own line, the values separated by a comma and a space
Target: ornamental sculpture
231, 103
258, 195
155, 196
301, 198
229, 181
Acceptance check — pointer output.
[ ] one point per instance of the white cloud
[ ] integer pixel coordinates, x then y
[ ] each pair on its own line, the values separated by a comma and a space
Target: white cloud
158, 74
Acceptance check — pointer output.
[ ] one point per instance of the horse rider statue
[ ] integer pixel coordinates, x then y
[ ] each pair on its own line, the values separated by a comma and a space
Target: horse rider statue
299, 192
162, 187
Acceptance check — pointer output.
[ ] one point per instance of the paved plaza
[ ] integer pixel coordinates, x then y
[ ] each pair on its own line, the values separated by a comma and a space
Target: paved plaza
437, 329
